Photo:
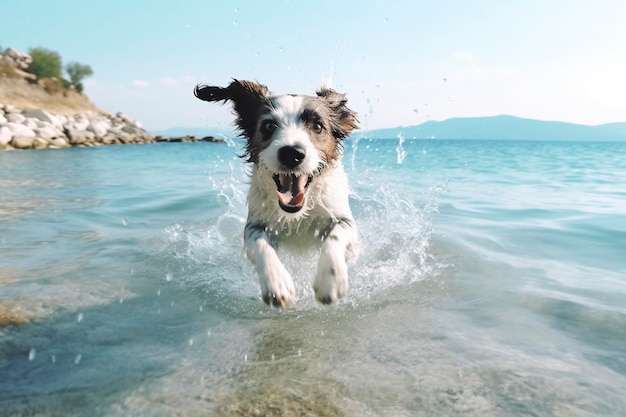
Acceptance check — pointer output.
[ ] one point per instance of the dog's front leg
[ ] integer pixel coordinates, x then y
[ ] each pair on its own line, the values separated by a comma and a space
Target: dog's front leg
331, 281
277, 286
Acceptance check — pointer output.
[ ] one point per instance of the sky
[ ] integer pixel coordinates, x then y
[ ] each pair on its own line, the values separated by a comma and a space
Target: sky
400, 63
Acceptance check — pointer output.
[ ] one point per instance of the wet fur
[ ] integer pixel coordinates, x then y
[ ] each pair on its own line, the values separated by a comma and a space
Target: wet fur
312, 127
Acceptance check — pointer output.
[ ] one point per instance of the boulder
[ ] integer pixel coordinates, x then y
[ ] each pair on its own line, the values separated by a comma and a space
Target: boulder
79, 137
78, 122
21, 60
47, 132
131, 130
40, 143
31, 123
37, 114
5, 135
22, 142
18, 129
59, 143
99, 127
15, 117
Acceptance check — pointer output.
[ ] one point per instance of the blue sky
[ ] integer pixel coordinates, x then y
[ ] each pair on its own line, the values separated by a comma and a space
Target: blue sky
399, 62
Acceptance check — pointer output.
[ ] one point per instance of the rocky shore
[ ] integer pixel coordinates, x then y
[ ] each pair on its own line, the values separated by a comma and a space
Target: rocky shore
40, 129
42, 113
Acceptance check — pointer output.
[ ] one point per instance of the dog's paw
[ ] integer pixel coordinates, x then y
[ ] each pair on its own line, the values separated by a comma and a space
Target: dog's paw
277, 287
331, 281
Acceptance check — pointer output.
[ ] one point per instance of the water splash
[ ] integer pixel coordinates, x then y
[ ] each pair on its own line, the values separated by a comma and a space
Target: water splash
401, 152
395, 235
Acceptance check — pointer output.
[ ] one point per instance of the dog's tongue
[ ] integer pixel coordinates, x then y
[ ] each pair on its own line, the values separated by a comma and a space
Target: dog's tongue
291, 189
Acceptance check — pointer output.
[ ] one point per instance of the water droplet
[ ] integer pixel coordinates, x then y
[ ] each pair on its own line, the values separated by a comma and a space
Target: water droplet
400, 151
236, 10
208, 333
124, 221
32, 354
132, 271
415, 111
53, 359
200, 308
235, 23
273, 357
245, 358
80, 317
78, 358
445, 80
159, 292
190, 342
168, 276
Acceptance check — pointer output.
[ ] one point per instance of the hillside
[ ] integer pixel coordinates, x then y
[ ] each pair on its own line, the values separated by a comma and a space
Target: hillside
504, 128
25, 95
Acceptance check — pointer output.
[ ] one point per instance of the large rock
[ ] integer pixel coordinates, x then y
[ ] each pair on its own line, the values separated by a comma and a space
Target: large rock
15, 118
77, 123
59, 143
21, 60
48, 132
5, 135
22, 142
37, 114
40, 143
99, 127
18, 129
79, 137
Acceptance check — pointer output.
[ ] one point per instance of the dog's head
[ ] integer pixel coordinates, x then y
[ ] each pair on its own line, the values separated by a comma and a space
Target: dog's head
294, 137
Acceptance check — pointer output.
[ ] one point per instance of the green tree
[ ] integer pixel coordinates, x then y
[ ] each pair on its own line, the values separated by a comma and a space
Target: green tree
77, 72
46, 63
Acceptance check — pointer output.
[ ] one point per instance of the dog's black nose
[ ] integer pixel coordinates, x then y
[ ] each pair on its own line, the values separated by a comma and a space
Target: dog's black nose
291, 156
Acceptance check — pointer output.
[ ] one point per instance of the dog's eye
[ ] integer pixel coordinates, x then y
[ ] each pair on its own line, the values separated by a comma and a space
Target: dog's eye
268, 127
317, 127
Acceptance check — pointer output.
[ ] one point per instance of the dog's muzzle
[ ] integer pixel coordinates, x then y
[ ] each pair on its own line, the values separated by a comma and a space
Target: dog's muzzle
291, 187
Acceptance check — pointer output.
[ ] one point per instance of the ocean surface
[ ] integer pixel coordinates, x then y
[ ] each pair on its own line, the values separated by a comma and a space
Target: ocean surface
491, 282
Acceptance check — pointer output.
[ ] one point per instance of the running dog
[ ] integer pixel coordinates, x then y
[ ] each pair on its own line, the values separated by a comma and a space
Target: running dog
298, 196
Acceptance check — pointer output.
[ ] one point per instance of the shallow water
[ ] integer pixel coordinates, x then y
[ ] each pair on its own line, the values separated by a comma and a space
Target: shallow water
492, 281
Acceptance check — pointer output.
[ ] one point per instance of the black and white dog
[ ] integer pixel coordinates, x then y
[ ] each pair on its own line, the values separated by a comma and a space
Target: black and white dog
298, 197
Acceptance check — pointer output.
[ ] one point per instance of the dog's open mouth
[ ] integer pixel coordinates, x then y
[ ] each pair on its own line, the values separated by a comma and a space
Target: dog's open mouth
290, 190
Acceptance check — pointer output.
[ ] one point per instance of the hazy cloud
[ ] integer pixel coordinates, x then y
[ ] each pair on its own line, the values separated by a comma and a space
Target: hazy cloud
463, 56
140, 83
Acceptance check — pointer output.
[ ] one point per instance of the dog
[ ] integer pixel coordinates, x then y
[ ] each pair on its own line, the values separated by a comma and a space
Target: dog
298, 196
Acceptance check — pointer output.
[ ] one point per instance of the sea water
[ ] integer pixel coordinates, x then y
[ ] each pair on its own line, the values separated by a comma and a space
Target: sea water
491, 282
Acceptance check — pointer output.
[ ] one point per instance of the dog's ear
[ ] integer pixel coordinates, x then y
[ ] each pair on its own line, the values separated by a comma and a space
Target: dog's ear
238, 91
248, 98
344, 120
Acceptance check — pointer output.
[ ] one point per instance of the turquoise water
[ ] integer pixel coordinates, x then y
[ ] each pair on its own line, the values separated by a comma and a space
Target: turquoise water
492, 282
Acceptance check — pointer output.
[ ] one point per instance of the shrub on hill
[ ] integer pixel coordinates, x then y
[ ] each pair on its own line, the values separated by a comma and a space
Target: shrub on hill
46, 63
76, 73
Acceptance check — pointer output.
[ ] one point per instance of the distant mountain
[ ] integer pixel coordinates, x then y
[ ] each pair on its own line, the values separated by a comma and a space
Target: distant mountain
494, 127
618, 128
503, 128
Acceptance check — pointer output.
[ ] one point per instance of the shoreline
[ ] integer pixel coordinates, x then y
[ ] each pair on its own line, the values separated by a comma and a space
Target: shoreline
41, 129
